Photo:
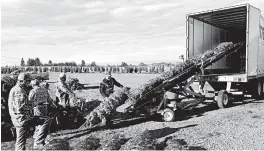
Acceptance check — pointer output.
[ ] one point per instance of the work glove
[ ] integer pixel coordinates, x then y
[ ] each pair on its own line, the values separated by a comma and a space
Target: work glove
109, 91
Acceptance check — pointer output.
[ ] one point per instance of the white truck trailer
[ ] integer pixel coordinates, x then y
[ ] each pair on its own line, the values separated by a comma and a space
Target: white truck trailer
240, 74
236, 72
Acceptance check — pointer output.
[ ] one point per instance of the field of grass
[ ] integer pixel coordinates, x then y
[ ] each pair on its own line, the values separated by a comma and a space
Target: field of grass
129, 80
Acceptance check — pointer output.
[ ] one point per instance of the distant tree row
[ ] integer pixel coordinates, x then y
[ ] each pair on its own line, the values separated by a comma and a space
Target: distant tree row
61, 64
91, 69
37, 62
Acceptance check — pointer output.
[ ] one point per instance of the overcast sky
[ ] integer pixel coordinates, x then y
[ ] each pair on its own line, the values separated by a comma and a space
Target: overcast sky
99, 30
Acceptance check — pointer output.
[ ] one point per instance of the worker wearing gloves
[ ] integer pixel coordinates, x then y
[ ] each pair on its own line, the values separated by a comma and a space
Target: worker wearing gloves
40, 99
20, 110
63, 92
107, 85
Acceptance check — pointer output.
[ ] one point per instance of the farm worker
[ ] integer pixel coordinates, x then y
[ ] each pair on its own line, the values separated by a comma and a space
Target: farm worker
107, 85
40, 98
52, 107
63, 92
7, 82
20, 110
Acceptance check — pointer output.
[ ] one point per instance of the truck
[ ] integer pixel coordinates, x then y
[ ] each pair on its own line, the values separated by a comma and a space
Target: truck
241, 74
232, 75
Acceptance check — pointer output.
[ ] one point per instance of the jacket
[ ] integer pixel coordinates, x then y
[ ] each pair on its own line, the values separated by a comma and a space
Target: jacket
107, 86
20, 108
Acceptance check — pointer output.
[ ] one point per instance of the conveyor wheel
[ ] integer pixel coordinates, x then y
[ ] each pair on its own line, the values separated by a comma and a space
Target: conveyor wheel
168, 115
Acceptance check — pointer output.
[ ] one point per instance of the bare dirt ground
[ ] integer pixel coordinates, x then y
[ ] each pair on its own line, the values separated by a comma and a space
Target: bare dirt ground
239, 127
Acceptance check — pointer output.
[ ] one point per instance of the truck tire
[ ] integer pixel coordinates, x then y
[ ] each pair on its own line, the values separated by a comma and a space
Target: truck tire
223, 99
262, 89
168, 115
258, 91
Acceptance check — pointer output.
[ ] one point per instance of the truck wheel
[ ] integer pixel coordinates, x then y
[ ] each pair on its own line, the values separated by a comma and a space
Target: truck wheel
223, 99
262, 89
258, 90
168, 115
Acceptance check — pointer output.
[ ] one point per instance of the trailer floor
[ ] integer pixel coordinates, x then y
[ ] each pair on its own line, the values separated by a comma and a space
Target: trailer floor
204, 127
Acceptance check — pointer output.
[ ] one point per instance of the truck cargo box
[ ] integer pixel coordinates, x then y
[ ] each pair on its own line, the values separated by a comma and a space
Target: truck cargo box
243, 23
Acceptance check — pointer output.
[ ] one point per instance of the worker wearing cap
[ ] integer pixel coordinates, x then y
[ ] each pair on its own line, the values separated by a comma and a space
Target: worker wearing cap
20, 109
107, 85
40, 99
63, 92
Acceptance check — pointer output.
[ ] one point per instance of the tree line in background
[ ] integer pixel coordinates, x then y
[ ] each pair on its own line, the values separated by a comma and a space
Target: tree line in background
35, 65
154, 69
37, 62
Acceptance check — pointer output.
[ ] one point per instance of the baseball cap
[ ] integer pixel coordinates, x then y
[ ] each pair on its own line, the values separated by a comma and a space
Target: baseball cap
34, 82
23, 76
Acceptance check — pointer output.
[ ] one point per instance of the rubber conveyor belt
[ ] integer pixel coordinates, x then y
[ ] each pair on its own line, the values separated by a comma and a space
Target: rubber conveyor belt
189, 72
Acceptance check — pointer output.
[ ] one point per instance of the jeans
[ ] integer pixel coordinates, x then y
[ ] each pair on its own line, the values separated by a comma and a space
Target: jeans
41, 131
21, 138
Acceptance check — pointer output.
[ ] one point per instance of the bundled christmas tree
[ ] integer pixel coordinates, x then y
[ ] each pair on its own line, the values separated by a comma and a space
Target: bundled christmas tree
143, 141
57, 144
105, 108
114, 143
89, 143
